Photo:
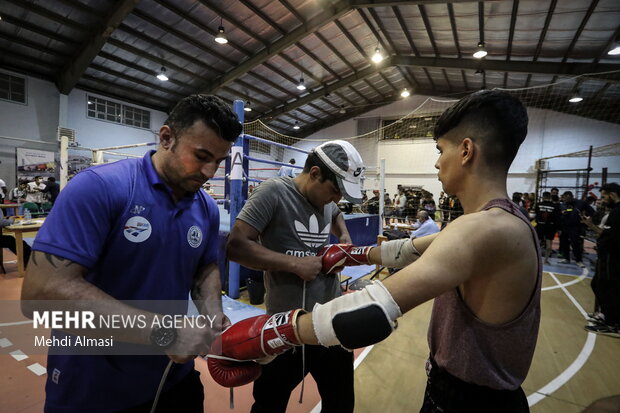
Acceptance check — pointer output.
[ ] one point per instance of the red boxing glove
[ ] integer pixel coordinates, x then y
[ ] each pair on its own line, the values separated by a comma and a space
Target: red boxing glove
337, 256
261, 336
228, 373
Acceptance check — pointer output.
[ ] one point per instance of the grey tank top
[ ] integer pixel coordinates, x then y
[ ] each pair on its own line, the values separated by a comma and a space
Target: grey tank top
496, 356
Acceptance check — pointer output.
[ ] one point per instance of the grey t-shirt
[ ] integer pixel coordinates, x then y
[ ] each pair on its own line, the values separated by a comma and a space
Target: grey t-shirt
290, 225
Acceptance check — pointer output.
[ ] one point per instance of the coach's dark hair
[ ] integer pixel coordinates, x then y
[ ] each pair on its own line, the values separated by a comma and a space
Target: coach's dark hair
211, 110
326, 173
495, 120
611, 187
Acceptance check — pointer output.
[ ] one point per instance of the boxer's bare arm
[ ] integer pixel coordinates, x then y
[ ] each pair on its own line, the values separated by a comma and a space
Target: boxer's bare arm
420, 244
475, 250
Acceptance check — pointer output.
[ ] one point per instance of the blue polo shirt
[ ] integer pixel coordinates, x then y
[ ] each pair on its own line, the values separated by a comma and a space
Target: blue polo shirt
120, 221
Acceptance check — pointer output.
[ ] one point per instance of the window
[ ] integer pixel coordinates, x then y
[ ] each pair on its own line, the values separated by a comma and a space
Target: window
409, 128
12, 88
107, 110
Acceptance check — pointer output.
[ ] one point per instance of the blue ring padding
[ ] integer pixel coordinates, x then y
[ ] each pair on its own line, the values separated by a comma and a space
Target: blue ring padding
273, 162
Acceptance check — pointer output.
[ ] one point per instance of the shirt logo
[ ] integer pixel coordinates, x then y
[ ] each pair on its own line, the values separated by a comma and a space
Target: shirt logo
137, 209
137, 229
311, 235
194, 236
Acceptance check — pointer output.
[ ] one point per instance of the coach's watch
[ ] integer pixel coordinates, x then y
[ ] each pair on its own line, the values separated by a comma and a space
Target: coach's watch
163, 337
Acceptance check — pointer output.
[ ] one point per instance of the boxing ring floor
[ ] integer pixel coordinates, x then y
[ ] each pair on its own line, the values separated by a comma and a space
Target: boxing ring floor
570, 368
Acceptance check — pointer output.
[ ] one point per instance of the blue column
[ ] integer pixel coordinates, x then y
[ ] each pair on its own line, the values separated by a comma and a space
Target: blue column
236, 196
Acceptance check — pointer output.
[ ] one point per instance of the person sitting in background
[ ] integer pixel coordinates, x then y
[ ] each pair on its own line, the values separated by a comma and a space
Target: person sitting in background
424, 226
207, 188
8, 241
52, 189
34, 191
18, 194
287, 170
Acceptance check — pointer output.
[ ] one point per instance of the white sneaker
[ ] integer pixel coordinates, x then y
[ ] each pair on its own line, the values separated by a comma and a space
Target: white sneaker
580, 264
564, 261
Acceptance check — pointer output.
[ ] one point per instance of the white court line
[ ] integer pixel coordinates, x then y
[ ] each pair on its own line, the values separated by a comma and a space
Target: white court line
18, 355
15, 323
584, 274
358, 361
37, 369
575, 366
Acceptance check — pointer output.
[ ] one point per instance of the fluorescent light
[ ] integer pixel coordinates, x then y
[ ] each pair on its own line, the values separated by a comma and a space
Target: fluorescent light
342, 110
405, 93
575, 99
247, 107
481, 52
301, 85
162, 74
377, 57
221, 36
296, 125
615, 51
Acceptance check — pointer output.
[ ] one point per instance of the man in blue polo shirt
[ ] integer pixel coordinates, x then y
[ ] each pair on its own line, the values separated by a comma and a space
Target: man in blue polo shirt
138, 229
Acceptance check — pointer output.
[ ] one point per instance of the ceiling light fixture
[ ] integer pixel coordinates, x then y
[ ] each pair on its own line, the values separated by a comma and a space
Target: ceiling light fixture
479, 72
575, 99
247, 107
301, 85
296, 127
481, 52
162, 74
615, 47
221, 36
405, 93
377, 57
342, 110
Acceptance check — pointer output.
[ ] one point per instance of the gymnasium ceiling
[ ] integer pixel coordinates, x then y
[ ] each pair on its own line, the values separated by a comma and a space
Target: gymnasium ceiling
117, 47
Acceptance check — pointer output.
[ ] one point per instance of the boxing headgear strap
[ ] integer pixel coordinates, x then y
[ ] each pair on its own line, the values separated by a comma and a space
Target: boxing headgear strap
358, 319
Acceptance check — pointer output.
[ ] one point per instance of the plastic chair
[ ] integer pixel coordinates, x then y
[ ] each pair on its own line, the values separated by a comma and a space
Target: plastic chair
46, 207
33, 208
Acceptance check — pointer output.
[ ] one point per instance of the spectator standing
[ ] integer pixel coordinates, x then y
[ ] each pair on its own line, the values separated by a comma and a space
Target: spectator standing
401, 204
428, 204
547, 221
571, 228
52, 189
606, 284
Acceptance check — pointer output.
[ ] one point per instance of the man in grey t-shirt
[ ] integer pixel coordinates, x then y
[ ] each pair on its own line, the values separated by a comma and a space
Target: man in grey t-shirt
280, 230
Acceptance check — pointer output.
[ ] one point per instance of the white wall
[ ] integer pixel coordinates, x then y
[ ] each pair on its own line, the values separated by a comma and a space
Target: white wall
550, 133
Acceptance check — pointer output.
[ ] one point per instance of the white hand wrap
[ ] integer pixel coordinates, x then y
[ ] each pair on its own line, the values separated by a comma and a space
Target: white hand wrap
398, 253
358, 319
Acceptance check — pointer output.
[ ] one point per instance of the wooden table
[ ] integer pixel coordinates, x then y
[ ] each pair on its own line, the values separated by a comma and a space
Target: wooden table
14, 207
17, 231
